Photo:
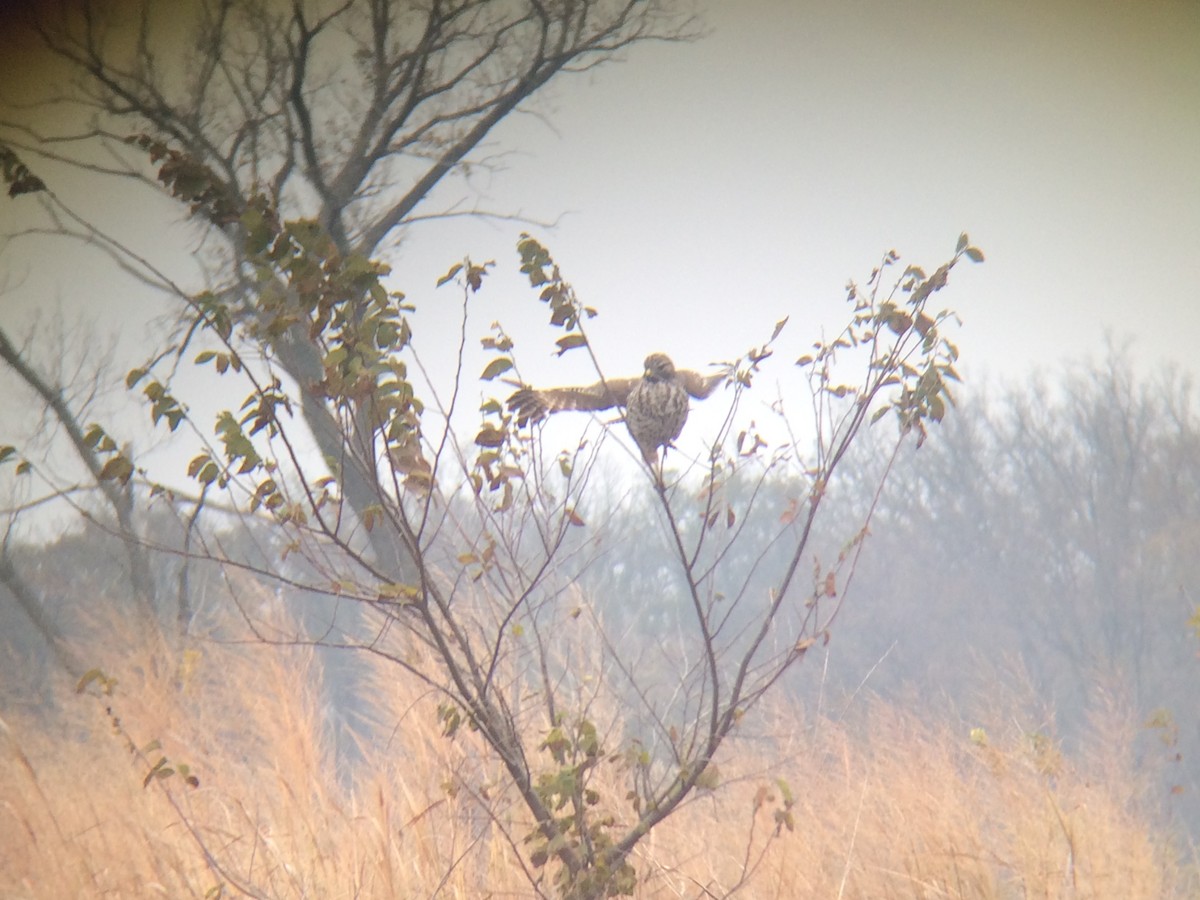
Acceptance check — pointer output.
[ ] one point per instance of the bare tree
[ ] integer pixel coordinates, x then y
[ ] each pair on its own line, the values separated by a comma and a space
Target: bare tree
486, 613
66, 398
1050, 524
457, 556
349, 113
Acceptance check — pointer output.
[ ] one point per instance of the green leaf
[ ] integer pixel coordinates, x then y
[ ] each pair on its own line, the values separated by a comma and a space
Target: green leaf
397, 591
786, 791
119, 468
570, 342
197, 463
160, 767
449, 276
496, 367
371, 516
475, 275
710, 778
489, 436
899, 323
937, 409
258, 232
88, 677
563, 314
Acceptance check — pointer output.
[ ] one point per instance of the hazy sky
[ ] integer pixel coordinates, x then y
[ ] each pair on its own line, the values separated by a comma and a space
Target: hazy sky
711, 188
750, 174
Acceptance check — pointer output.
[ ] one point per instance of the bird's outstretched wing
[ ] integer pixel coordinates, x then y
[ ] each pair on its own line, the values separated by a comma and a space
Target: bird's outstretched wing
700, 386
531, 404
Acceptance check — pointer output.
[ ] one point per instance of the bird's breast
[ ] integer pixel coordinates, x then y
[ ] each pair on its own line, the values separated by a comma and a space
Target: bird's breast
656, 412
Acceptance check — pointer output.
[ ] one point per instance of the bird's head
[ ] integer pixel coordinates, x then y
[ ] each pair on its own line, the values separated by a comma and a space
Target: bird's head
659, 367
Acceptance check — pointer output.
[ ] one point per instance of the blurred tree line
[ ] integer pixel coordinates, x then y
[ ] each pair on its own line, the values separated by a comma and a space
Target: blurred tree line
1048, 542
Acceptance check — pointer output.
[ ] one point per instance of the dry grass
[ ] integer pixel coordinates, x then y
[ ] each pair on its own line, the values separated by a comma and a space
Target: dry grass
893, 807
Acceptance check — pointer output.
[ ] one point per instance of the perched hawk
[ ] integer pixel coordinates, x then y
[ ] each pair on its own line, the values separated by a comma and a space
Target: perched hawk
656, 405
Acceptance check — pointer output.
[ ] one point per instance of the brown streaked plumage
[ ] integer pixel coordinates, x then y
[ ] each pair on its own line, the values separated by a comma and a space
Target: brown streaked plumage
656, 405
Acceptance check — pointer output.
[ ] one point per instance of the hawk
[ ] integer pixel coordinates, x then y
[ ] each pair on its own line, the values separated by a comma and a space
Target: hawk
656, 404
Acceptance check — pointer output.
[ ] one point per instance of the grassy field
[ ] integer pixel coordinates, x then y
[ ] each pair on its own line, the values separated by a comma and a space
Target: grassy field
893, 806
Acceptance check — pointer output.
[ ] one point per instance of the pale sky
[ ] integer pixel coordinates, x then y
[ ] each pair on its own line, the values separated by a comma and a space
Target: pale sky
750, 174
711, 188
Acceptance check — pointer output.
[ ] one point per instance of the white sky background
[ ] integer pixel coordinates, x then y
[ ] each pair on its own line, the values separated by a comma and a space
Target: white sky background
714, 187
710, 189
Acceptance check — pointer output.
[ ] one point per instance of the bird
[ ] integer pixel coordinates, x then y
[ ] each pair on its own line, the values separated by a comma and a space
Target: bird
655, 405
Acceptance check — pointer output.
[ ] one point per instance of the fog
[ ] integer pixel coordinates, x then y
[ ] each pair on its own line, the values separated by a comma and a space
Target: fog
1038, 552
